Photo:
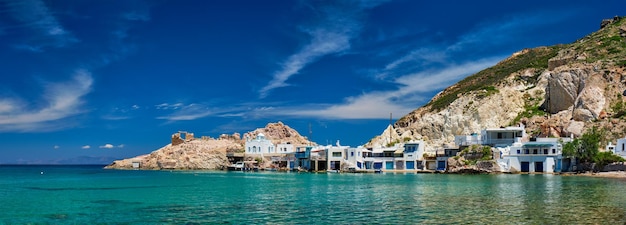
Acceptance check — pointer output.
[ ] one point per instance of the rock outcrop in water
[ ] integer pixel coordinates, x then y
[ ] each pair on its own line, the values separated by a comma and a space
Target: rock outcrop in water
556, 91
185, 152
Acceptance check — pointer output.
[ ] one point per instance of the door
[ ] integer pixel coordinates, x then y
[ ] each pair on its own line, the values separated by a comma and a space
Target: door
410, 165
335, 165
378, 165
441, 165
539, 167
389, 165
525, 167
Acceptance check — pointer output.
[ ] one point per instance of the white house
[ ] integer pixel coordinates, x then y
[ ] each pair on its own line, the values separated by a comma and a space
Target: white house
413, 155
620, 147
497, 137
285, 148
336, 157
387, 158
494, 137
541, 156
259, 145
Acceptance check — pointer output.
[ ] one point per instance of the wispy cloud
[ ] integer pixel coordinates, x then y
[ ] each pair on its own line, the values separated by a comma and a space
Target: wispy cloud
414, 89
184, 112
419, 73
121, 113
86, 147
63, 100
168, 106
119, 41
35, 15
331, 35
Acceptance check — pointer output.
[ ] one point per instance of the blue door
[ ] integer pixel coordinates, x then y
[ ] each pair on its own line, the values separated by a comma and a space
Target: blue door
441, 165
525, 167
378, 165
389, 165
539, 167
410, 165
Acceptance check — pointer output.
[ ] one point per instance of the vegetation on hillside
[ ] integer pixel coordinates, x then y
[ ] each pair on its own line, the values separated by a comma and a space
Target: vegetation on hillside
475, 153
532, 107
605, 45
486, 79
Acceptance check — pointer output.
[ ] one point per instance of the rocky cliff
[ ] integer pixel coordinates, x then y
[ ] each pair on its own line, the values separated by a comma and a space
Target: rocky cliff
279, 133
554, 91
206, 152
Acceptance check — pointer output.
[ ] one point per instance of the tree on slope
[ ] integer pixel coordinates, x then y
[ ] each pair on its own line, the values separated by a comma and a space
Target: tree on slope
585, 149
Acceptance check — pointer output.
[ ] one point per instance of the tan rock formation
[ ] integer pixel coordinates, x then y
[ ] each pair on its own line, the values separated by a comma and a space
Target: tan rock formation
194, 154
279, 133
205, 153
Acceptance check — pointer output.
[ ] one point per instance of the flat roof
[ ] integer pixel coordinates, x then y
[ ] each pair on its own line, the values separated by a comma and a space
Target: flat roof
537, 145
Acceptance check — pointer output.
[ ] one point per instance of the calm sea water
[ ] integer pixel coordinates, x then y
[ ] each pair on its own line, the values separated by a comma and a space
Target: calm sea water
91, 195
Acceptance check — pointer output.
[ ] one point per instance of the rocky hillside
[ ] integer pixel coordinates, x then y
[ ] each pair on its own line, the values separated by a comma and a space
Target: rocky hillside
206, 152
554, 91
279, 133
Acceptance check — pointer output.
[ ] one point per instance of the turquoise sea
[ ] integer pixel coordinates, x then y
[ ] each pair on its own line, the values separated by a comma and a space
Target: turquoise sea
92, 195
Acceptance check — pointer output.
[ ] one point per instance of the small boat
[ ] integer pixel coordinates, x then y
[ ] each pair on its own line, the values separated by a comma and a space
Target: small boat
238, 166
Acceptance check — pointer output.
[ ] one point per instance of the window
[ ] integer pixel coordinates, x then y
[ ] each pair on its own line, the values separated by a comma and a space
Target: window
336, 154
535, 151
351, 154
553, 151
526, 151
518, 151
545, 151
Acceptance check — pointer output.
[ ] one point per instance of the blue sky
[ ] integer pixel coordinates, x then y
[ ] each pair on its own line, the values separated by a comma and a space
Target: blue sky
91, 81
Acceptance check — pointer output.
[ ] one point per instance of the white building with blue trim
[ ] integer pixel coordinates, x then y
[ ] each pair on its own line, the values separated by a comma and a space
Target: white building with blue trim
541, 156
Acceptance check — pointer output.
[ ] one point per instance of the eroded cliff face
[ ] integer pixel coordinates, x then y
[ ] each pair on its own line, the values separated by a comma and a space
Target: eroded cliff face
582, 86
206, 153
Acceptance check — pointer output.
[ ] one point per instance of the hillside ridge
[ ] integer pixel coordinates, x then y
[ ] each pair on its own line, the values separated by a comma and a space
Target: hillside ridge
554, 91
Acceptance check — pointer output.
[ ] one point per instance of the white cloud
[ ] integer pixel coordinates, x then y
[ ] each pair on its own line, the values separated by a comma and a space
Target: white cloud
113, 117
86, 147
332, 35
63, 100
415, 83
109, 146
35, 15
167, 106
413, 89
135, 107
120, 146
188, 112
56, 147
